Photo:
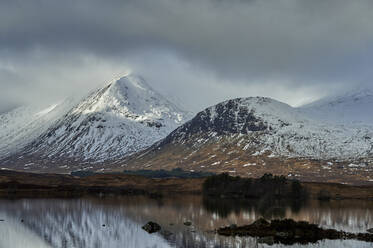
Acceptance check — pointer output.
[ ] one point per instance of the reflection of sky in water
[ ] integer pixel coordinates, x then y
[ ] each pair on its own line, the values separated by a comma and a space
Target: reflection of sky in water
14, 234
79, 223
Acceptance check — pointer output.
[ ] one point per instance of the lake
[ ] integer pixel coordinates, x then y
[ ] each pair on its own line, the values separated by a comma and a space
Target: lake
113, 222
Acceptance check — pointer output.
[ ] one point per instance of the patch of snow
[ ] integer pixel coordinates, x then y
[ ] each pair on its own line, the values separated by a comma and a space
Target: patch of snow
356, 165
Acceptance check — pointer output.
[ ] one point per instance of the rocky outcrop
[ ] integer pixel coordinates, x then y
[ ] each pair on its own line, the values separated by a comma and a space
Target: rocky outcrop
290, 232
151, 227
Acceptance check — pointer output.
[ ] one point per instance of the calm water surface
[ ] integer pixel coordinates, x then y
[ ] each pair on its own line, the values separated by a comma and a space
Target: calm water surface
116, 222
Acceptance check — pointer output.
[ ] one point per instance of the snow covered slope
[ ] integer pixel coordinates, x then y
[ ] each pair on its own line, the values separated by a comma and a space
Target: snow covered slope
22, 125
127, 117
278, 128
257, 135
354, 107
119, 119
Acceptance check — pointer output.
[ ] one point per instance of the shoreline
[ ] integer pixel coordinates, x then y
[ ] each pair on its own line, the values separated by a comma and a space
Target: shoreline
35, 185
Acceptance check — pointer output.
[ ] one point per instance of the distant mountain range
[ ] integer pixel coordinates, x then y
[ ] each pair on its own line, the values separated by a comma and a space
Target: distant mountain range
127, 124
256, 135
349, 108
266, 125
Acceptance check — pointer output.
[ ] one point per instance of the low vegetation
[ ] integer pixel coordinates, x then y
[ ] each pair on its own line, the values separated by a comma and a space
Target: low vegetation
323, 195
268, 186
177, 173
82, 173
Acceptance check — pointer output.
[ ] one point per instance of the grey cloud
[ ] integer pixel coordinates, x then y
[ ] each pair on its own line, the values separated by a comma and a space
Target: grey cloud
307, 47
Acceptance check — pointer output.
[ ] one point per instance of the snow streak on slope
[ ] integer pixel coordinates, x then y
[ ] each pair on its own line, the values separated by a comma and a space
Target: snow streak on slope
119, 119
269, 125
354, 107
22, 125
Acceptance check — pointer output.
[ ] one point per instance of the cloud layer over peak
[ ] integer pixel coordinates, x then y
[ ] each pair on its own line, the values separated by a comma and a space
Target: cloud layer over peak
292, 50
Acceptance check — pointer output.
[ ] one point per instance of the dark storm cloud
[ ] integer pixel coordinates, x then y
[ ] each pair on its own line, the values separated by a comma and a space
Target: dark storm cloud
304, 46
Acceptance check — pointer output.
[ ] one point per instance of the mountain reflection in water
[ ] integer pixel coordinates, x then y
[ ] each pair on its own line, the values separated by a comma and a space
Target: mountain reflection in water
116, 222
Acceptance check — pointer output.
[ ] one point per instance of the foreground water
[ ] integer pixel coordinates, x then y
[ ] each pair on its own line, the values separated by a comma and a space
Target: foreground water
116, 222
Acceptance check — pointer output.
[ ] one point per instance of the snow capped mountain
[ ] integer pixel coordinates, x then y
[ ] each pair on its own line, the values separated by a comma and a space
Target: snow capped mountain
119, 119
350, 108
128, 124
258, 132
265, 124
123, 117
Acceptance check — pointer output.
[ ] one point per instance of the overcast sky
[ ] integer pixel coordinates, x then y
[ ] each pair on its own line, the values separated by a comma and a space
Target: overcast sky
199, 51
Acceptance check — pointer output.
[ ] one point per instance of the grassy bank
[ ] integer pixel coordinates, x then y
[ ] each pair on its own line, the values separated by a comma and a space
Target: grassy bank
22, 184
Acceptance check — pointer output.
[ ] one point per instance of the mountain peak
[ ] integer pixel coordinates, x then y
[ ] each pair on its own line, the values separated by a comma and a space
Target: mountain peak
352, 107
240, 133
238, 116
130, 81
128, 94
266, 108
123, 117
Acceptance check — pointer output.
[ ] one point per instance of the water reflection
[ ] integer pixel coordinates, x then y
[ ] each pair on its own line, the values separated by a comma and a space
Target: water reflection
116, 222
267, 207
